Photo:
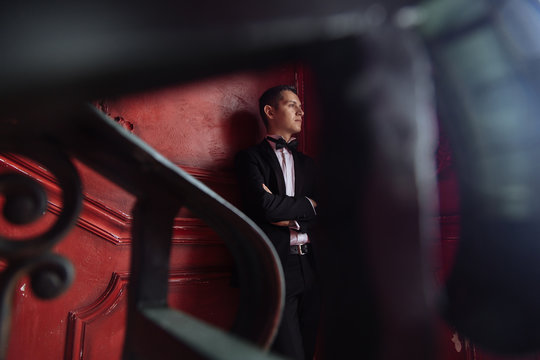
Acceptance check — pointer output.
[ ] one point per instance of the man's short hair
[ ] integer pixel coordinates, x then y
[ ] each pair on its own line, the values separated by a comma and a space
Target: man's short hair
272, 97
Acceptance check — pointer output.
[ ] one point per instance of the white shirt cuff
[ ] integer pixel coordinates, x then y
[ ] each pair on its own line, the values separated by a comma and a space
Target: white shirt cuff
295, 226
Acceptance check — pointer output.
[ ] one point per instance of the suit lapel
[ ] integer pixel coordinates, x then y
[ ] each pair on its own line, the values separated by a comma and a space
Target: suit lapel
270, 156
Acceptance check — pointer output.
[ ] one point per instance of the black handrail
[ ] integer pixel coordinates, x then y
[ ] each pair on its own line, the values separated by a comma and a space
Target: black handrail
155, 51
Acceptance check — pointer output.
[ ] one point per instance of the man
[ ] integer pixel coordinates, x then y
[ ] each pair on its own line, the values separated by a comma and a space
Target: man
277, 184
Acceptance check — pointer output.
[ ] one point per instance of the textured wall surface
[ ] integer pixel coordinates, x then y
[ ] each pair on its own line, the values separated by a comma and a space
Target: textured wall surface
199, 127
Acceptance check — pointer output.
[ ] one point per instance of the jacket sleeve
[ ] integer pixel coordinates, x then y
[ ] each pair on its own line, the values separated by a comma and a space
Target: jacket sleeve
271, 207
310, 172
306, 225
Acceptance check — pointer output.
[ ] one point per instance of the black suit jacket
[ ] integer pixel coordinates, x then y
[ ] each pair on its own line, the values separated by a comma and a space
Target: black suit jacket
259, 165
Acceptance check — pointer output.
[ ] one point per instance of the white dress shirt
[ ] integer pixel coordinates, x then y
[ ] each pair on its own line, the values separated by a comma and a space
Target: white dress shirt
286, 161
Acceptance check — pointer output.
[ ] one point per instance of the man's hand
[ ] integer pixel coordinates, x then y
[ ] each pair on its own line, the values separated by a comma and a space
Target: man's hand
286, 223
266, 189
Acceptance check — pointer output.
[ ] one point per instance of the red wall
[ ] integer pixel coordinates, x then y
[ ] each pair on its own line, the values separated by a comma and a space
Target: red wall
452, 346
200, 127
449, 220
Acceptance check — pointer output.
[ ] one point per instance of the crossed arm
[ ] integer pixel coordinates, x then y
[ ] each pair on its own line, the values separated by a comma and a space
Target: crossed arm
275, 209
288, 223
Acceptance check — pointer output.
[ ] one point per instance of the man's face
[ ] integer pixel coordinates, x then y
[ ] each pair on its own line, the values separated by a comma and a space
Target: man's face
286, 118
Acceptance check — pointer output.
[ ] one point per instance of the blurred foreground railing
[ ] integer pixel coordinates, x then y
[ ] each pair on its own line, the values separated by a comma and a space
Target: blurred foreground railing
374, 96
377, 168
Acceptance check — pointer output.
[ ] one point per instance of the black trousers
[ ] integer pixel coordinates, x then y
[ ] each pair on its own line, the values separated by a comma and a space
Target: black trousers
297, 332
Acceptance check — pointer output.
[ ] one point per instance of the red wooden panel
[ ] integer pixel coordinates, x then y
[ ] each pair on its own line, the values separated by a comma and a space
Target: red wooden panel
97, 330
449, 221
449, 227
447, 179
200, 127
450, 345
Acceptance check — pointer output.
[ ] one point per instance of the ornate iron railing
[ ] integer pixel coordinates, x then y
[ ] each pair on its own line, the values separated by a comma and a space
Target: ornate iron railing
372, 81
344, 46
161, 189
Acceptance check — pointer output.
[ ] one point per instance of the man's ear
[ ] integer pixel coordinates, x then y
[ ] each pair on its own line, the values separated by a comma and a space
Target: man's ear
269, 111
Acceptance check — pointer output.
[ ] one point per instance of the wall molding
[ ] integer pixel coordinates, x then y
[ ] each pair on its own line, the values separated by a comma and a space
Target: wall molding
113, 225
114, 297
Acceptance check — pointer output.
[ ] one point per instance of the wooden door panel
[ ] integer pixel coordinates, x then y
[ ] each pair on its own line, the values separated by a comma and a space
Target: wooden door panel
97, 330
199, 127
449, 220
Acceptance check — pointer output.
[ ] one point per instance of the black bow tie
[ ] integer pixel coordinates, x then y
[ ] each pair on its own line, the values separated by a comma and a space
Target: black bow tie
281, 143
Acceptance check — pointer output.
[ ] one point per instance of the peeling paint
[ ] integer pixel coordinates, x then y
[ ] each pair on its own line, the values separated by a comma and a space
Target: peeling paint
457, 342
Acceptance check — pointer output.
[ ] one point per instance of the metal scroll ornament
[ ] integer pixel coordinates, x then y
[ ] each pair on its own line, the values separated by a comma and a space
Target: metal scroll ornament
25, 202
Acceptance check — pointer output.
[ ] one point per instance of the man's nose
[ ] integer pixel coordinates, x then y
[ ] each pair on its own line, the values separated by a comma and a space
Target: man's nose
300, 111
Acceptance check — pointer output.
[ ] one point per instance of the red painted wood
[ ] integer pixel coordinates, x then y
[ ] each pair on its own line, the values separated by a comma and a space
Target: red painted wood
449, 221
199, 127
96, 331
